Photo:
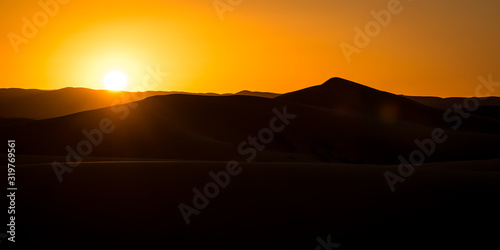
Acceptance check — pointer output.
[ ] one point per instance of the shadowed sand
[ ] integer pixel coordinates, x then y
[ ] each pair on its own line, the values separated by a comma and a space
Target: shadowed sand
321, 175
269, 205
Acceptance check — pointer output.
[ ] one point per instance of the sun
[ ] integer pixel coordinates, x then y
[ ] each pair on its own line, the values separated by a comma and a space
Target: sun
115, 80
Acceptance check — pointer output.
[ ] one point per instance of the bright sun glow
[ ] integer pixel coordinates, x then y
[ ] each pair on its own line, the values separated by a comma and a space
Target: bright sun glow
115, 80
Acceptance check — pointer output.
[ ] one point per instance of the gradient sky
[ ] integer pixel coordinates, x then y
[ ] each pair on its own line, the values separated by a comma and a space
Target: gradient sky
430, 48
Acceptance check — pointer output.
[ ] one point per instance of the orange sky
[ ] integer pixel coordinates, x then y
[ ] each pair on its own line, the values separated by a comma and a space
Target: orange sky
428, 48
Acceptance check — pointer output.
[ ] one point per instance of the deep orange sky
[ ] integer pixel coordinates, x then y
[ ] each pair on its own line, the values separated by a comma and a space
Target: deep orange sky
429, 48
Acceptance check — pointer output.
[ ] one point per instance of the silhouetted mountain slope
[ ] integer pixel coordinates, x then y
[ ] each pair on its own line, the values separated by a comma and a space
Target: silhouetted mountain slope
212, 128
446, 103
342, 96
488, 107
44, 104
258, 94
14, 93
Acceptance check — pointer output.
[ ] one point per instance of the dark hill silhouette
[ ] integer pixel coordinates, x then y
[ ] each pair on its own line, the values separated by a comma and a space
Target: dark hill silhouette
446, 103
44, 104
15, 93
489, 107
343, 96
193, 127
287, 198
259, 94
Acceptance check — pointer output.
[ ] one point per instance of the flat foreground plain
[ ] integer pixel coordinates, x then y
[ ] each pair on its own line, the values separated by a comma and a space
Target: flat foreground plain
134, 204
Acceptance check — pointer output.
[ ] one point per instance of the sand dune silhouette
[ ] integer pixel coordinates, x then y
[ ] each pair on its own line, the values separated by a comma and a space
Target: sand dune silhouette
338, 121
323, 172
